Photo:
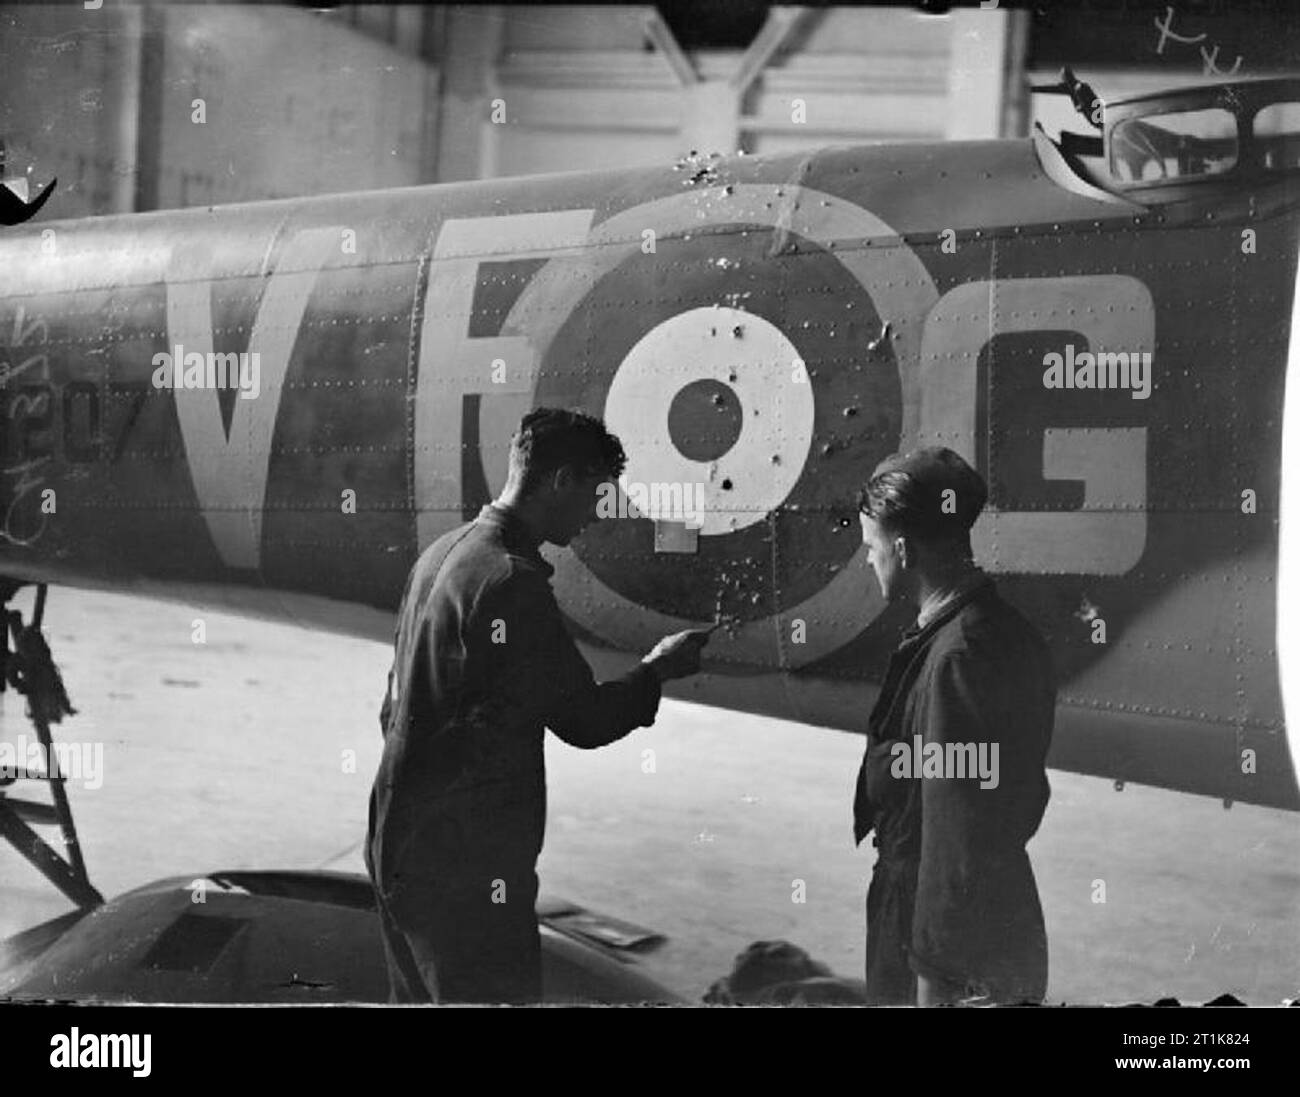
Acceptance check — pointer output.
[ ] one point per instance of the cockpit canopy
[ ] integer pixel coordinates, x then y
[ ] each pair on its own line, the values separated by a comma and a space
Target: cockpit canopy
1167, 146
1246, 128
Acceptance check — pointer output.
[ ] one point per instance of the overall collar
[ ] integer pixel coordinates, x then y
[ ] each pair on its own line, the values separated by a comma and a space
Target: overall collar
939, 600
514, 534
931, 619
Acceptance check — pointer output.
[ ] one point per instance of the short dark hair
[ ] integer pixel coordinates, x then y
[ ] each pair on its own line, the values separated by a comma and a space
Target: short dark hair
551, 438
907, 494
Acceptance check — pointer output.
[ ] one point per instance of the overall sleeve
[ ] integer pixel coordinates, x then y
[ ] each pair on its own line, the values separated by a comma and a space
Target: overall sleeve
540, 676
951, 918
386, 706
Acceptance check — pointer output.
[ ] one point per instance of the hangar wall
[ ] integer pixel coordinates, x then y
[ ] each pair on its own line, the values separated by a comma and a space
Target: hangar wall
292, 105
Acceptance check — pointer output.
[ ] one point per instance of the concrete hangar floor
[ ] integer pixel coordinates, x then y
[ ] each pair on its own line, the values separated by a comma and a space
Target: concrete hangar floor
227, 755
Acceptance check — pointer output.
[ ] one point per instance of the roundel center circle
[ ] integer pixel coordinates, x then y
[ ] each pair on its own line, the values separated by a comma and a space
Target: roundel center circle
704, 420
713, 406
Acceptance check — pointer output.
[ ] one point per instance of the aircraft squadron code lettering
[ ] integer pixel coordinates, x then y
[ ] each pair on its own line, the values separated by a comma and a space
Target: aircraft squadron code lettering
938, 341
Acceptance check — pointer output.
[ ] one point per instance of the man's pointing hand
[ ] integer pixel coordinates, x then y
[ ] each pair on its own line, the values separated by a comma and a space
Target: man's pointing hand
678, 655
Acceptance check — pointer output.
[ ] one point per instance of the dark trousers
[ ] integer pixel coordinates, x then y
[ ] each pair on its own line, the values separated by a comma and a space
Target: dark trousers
891, 898
447, 940
1016, 974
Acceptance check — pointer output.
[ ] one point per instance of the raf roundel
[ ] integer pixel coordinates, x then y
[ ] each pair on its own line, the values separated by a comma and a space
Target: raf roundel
742, 361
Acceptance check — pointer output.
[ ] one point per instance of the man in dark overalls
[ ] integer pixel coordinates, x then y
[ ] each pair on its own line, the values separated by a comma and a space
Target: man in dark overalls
953, 779
483, 664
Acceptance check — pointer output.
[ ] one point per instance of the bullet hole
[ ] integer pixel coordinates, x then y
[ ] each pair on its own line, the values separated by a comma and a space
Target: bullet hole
850, 412
732, 377
718, 399
737, 331
701, 169
726, 485
884, 333
776, 458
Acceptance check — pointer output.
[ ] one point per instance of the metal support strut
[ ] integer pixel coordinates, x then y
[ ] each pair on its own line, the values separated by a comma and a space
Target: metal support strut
28, 667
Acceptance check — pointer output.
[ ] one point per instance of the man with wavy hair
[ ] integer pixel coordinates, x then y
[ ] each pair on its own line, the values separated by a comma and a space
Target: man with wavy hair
483, 665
